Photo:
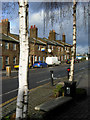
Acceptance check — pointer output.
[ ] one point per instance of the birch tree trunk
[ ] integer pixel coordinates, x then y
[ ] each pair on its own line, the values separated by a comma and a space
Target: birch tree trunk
22, 99
71, 78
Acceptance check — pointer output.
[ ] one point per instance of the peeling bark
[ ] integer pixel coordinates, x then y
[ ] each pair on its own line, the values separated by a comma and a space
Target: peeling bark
22, 99
71, 78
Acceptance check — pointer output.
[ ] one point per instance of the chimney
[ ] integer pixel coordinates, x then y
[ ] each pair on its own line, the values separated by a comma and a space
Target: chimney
63, 38
5, 24
52, 35
33, 31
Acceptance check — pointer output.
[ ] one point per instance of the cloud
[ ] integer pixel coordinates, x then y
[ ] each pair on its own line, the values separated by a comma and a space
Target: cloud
82, 49
36, 18
66, 25
14, 26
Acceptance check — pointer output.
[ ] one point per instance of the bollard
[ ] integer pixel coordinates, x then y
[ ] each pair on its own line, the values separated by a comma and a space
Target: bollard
8, 71
51, 77
68, 71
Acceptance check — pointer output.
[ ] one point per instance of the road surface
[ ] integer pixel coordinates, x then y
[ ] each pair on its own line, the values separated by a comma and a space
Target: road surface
37, 77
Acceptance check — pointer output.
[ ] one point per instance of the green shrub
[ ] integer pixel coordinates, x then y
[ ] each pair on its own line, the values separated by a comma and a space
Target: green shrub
59, 90
7, 118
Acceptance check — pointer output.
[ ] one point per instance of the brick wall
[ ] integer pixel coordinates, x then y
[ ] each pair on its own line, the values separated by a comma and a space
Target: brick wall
10, 53
33, 32
5, 26
52, 35
63, 38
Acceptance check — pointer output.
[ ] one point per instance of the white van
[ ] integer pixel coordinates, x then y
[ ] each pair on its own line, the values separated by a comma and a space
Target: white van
52, 61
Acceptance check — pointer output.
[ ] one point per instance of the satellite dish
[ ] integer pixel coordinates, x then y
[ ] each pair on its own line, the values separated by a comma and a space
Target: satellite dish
49, 50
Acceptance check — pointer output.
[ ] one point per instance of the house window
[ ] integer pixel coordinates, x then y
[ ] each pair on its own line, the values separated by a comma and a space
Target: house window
48, 46
1, 62
14, 60
65, 57
38, 47
6, 45
61, 58
68, 48
14, 46
58, 48
7, 60
35, 58
43, 59
29, 58
61, 49
65, 48
39, 58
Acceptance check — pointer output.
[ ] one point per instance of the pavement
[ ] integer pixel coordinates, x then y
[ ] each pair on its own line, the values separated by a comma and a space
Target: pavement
73, 110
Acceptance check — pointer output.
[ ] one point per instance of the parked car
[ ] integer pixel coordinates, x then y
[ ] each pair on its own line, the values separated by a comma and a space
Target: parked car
39, 64
68, 61
52, 61
77, 60
17, 66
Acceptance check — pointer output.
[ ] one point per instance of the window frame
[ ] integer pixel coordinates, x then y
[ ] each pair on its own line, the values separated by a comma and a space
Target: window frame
6, 45
14, 47
14, 62
7, 61
39, 58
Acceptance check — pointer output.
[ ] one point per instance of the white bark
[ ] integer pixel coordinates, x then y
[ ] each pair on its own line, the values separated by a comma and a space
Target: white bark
71, 78
21, 109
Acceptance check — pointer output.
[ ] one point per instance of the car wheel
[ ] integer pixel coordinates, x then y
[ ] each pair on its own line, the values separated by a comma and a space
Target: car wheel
41, 66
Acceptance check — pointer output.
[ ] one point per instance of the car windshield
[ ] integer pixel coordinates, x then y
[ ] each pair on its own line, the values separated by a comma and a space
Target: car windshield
36, 62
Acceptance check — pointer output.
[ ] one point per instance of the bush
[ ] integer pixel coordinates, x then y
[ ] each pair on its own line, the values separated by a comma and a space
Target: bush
59, 90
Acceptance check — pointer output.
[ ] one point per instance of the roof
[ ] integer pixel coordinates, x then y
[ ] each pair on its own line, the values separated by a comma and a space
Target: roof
45, 41
41, 41
8, 38
49, 42
36, 41
63, 43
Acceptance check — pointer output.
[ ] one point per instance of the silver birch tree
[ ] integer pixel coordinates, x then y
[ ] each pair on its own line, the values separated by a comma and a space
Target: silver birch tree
22, 99
71, 78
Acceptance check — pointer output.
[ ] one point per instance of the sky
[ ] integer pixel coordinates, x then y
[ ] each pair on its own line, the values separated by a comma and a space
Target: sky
63, 25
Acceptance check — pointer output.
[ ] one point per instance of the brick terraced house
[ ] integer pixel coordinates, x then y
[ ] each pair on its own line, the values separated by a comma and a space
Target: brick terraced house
40, 48
9, 45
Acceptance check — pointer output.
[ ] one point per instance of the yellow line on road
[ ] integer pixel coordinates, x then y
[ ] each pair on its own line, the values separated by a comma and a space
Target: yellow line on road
11, 100
7, 102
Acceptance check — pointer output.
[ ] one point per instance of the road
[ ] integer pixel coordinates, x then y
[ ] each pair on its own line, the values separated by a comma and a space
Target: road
37, 77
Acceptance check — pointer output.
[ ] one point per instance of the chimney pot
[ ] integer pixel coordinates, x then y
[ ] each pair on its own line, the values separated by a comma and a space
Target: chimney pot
6, 19
34, 26
31, 26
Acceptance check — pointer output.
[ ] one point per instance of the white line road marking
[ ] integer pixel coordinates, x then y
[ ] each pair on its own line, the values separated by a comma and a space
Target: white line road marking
17, 89
82, 68
37, 82
9, 92
43, 80
15, 77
